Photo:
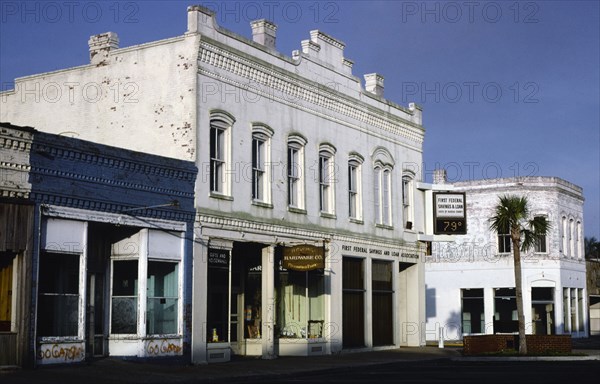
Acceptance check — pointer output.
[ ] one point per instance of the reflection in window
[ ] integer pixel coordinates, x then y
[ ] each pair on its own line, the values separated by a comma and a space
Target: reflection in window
161, 310
58, 305
124, 297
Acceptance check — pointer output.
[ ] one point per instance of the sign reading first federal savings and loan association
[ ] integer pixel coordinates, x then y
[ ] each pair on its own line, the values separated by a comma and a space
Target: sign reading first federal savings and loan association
303, 257
449, 213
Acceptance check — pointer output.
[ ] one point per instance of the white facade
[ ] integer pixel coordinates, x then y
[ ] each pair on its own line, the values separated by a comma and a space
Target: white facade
468, 281
290, 151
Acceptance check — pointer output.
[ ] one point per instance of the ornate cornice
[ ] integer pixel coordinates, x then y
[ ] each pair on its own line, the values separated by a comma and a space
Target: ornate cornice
233, 224
110, 182
297, 89
48, 150
92, 206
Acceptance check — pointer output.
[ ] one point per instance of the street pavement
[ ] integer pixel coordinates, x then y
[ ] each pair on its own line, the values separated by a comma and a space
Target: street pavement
121, 370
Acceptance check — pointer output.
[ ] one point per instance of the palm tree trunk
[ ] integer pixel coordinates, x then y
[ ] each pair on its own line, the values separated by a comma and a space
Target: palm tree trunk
516, 240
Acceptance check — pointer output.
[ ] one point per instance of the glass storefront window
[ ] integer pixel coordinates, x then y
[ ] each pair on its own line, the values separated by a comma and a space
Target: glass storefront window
124, 297
299, 302
161, 309
58, 295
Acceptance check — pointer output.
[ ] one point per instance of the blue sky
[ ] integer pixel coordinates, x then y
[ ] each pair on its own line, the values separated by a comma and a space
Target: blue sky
508, 88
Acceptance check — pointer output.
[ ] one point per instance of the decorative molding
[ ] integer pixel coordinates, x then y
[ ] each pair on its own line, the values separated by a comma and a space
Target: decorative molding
110, 182
114, 218
111, 162
296, 89
237, 225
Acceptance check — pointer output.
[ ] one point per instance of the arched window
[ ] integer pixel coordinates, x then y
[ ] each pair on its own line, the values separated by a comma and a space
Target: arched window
355, 186
220, 151
327, 178
295, 171
383, 164
261, 158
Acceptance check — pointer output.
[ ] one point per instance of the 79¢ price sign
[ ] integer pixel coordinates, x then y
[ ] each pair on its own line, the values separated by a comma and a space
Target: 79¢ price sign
449, 213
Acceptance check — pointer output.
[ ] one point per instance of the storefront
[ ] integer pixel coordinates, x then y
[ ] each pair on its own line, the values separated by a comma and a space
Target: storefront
96, 251
265, 299
303, 298
108, 289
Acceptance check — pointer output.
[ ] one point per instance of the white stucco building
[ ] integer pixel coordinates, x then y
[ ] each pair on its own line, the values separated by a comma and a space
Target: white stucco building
309, 228
470, 282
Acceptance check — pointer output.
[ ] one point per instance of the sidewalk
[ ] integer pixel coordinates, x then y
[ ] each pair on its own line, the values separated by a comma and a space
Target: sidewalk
118, 370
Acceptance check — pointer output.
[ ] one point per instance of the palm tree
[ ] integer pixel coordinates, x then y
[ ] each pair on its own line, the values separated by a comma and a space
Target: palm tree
512, 217
592, 248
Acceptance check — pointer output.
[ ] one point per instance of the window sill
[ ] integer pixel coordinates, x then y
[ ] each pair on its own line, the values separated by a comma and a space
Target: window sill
297, 210
384, 226
216, 195
262, 204
328, 215
356, 221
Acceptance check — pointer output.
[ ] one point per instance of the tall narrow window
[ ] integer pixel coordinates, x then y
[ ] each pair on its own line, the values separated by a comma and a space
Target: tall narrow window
295, 171
383, 195
58, 295
355, 187
326, 179
504, 240
564, 237
261, 173
258, 168
219, 151
324, 183
383, 164
571, 238
407, 206
124, 297
162, 287
580, 251
217, 159
540, 244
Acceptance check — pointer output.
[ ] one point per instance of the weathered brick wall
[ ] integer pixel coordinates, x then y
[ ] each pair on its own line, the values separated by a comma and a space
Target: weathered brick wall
475, 345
